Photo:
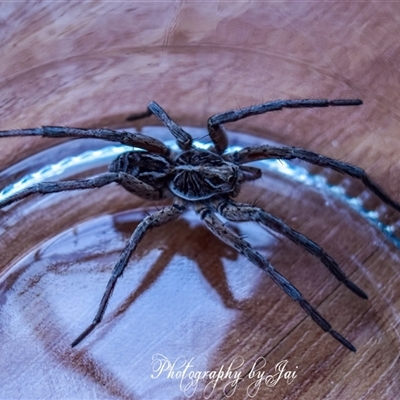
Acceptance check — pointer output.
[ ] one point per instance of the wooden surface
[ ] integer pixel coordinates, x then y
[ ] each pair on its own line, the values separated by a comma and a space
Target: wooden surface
185, 296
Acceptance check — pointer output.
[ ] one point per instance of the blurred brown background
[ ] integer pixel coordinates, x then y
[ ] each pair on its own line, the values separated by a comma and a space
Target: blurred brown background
92, 64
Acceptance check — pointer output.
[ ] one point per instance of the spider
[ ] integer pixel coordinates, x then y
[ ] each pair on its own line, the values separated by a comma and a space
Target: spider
207, 180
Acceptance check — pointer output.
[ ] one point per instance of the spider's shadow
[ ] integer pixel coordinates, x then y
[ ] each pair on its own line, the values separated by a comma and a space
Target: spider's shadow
192, 247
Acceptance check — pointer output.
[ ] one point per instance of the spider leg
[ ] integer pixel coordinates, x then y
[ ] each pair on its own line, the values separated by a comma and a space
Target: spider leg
288, 153
250, 173
243, 247
133, 139
233, 211
217, 132
55, 187
183, 138
159, 218
142, 189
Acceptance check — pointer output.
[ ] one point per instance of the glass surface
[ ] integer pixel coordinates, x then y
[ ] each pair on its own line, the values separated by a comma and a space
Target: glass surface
184, 294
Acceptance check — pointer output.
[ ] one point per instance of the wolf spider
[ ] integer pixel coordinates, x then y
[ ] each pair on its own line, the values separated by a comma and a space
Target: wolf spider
208, 180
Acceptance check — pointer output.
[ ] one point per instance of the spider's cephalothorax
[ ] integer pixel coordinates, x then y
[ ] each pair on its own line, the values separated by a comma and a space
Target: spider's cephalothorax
201, 174
208, 180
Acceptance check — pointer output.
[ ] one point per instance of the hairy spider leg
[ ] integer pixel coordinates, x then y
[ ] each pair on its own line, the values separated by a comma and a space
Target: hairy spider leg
183, 138
217, 132
249, 154
55, 187
234, 211
133, 139
127, 181
243, 247
142, 189
158, 218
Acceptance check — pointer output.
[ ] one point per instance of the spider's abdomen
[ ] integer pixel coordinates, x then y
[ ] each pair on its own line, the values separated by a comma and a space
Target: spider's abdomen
150, 168
200, 174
